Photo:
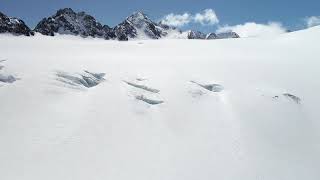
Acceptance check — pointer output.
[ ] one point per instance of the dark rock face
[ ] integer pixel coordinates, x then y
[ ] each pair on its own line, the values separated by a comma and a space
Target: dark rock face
66, 21
211, 36
124, 31
196, 35
138, 24
14, 26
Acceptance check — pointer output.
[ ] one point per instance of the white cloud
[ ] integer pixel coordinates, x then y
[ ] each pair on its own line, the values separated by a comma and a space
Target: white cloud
177, 19
207, 17
252, 29
312, 21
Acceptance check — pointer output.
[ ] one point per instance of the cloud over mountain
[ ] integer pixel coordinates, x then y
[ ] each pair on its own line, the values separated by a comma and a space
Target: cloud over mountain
252, 29
205, 17
312, 21
177, 20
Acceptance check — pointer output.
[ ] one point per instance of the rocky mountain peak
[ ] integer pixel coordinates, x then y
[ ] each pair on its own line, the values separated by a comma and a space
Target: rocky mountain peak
66, 21
224, 35
211, 36
14, 26
137, 16
65, 11
195, 35
139, 25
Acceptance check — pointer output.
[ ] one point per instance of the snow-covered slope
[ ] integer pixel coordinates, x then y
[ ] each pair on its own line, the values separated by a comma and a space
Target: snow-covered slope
167, 109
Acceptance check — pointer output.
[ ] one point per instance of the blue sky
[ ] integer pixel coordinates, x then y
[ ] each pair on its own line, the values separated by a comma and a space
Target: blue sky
229, 12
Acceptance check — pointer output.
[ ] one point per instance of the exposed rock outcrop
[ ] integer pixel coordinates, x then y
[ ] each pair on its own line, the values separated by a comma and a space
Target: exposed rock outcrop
138, 25
196, 35
14, 26
66, 21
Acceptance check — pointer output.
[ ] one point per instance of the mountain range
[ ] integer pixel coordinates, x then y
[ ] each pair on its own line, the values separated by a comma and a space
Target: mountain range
136, 26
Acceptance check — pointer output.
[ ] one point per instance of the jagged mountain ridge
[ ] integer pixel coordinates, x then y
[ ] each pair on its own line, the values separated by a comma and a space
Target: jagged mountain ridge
209, 36
196, 35
139, 25
136, 26
14, 26
66, 21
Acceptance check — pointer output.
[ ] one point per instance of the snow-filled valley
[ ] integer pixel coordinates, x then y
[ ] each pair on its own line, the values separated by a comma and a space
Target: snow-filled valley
90, 109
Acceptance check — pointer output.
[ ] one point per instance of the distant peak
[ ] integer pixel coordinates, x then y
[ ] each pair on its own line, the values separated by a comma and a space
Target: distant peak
138, 15
65, 11
14, 25
81, 13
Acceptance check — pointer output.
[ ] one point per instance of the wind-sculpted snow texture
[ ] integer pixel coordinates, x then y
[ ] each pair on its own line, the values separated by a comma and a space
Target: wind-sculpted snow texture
144, 93
210, 87
252, 113
293, 97
143, 87
5, 78
86, 79
149, 101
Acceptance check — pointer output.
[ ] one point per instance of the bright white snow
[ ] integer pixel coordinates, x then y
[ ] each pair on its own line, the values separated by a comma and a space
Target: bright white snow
248, 131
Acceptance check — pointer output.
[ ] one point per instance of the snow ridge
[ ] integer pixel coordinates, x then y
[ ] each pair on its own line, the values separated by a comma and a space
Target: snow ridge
136, 26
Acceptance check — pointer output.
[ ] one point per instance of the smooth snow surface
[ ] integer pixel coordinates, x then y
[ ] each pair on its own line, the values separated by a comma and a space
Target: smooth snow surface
250, 130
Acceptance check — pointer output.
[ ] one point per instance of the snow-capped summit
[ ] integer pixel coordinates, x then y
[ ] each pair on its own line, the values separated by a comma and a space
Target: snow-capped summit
139, 25
211, 36
14, 25
66, 21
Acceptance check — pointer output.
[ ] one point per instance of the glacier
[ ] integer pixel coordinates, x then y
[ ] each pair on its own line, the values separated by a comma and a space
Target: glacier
246, 124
